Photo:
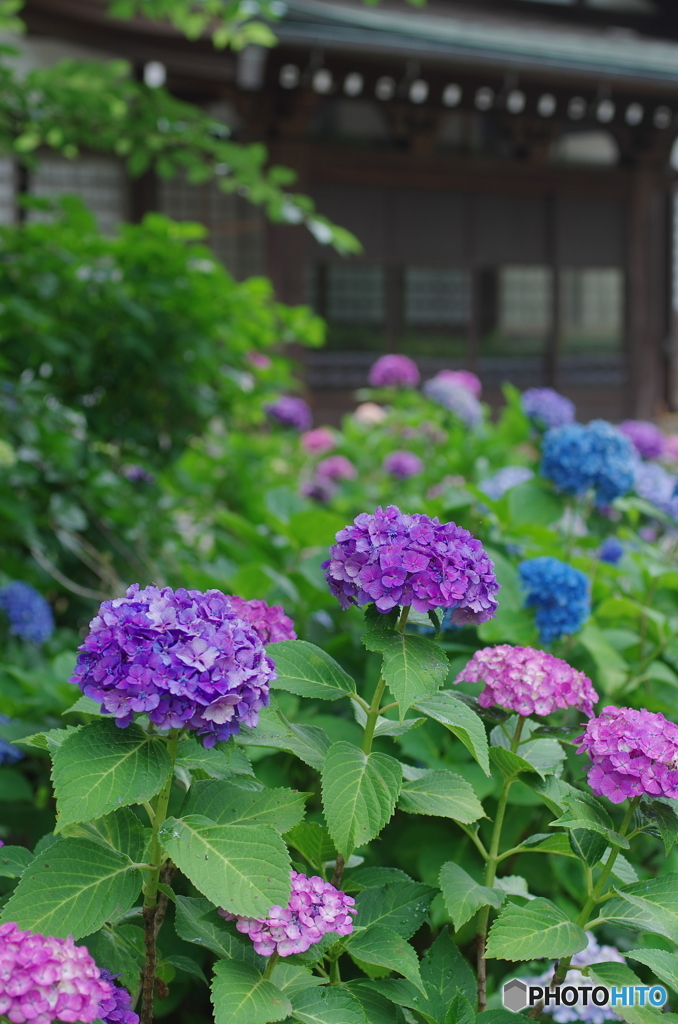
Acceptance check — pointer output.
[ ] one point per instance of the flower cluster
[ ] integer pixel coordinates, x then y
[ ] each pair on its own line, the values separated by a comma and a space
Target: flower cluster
656, 485
184, 658
290, 411
8, 752
464, 378
394, 371
136, 474
369, 414
315, 908
268, 621
455, 398
30, 616
44, 979
577, 458
528, 681
632, 752
547, 408
593, 954
495, 487
318, 441
396, 559
611, 550
402, 464
336, 467
117, 1009
559, 592
647, 439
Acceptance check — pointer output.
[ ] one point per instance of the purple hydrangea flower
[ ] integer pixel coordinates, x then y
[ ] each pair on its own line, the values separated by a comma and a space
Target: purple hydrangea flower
319, 489
593, 954
394, 371
547, 408
268, 621
646, 438
455, 398
611, 550
336, 467
318, 441
632, 752
315, 908
559, 592
395, 559
657, 485
402, 464
45, 979
290, 411
137, 474
30, 616
528, 681
464, 378
184, 658
118, 1008
495, 487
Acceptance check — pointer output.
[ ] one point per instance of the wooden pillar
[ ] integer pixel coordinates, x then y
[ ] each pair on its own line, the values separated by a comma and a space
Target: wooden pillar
553, 337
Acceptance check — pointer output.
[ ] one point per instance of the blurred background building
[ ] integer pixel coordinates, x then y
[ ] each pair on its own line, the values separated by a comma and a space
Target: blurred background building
508, 165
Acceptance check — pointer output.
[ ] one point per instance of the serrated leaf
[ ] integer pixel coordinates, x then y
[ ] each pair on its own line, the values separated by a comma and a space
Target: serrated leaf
663, 964
292, 977
664, 818
513, 885
313, 842
112, 946
414, 668
240, 995
85, 705
464, 723
197, 921
545, 843
445, 970
624, 871
545, 755
588, 846
73, 888
100, 768
214, 762
14, 860
402, 906
308, 671
464, 896
326, 1005
588, 813
359, 794
217, 800
245, 869
377, 1008
121, 831
385, 948
308, 742
442, 794
511, 765
460, 1011
649, 905
539, 929
614, 973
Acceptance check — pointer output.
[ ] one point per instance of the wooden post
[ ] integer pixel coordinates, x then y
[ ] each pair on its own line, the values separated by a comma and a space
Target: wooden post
553, 337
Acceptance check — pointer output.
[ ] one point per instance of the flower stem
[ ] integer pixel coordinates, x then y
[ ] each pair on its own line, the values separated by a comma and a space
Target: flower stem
150, 907
373, 715
272, 961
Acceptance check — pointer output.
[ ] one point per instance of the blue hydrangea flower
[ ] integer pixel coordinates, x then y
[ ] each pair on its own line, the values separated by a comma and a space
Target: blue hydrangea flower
495, 487
30, 616
560, 594
578, 458
547, 408
8, 752
658, 486
611, 550
456, 398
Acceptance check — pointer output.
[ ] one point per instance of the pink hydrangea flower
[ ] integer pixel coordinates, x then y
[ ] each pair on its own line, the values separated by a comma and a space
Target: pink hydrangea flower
402, 465
336, 467
632, 752
671, 447
315, 908
318, 441
464, 378
394, 371
369, 414
528, 681
45, 979
259, 360
268, 621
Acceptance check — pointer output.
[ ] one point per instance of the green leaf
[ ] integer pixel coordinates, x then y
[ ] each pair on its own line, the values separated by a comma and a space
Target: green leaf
100, 768
440, 793
401, 906
530, 504
245, 869
663, 817
614, 973
385, 948
120, 948
359, 794
663, 964
186, 964
240, 995
217, 800
650, 905
414, 668
545, 755
511, 765
464, 896
73, 888
460, 1011
121, 831
85, 705
308, 742
197, 921
588, 846
290, 977
13, 786
308, 671
588, 813
326, 1005
14, 860
446, 971
214, 762
377, 1008
612, 669
461, 721
313, 842
539, 929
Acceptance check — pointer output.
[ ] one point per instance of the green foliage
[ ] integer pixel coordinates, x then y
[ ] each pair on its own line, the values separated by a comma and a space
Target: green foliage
359, 794
539, 929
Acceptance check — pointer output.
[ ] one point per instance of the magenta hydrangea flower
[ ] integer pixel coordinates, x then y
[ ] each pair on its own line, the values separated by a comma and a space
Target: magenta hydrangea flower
336, 467
395, 559
118, 1008
464, 378
268, 621
646, 438
318, 441
45, 979
184, 658
528, 681
290, 411
402, 465
632, 752
394, 371
315, 908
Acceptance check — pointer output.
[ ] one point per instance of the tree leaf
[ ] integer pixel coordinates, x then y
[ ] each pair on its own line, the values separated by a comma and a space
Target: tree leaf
240, 995
377, 1008
308, 671
589, 846
197, 921
614, 973
649, 905
385, 948
588, 813
414, 668
73, 888
326, 1005
217, 800
442, 794
511, 765
460, 1011
308, 742
663, 817
245, 869
99, 768
214, 762
292, 977
121, 831
313, 842
359, 794
663, 964
466, 725
445, 970
402, 906
14, 860
112, 946
539, 929
464, 896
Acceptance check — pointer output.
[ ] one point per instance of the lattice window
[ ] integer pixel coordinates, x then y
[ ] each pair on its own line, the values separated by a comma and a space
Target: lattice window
437, 296
99, 181
355, 294
593, 301
525, 300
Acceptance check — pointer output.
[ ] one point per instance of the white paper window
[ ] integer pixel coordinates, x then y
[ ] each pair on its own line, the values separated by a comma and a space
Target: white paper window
525, 299
593, 301
100, 182
437, 296
355, 294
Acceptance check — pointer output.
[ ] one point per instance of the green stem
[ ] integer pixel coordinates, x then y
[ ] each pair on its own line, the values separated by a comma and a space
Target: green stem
402, 621
151, 886
373, 715
335, 974
272, 961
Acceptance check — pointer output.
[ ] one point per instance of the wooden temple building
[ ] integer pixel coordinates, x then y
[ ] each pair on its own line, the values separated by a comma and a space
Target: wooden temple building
508, 165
